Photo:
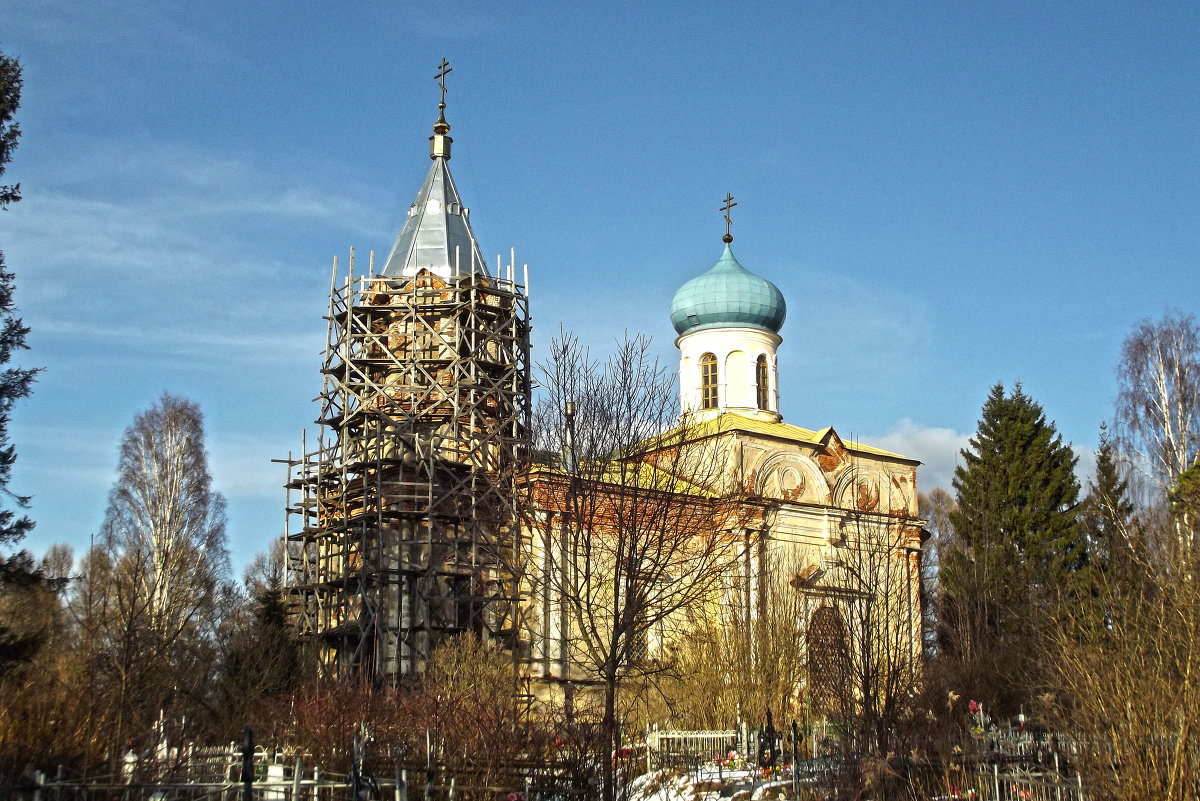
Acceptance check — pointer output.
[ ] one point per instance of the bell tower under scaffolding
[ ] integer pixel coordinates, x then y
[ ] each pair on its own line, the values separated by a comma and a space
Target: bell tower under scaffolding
402, 521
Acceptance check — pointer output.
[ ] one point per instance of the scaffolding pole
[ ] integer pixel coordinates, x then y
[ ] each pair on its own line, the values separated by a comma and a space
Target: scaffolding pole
403, 520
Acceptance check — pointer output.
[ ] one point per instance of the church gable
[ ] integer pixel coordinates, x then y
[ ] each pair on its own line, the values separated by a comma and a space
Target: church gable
823, 471
790, 475
832, 454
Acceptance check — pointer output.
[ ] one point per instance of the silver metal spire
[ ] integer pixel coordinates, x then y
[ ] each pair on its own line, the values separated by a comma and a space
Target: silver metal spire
437, 235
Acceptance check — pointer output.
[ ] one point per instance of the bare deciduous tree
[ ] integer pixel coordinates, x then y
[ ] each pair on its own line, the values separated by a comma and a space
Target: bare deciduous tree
1127, 680
630, 529
267, 570
935, 508
164, 533
877, 569
750, 656
164, 517
41, 684
462, 717
1158, 396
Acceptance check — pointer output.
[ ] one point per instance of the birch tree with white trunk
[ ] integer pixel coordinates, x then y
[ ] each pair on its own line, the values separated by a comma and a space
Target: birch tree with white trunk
1158, 396
164, 533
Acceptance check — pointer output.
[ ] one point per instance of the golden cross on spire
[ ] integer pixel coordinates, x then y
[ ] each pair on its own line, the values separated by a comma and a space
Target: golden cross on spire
729, 204
444, 69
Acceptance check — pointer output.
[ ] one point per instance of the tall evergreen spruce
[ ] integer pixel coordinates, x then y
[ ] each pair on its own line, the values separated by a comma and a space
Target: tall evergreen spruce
1107, 511
1018, 545
15, 383
1017, 482
19, 580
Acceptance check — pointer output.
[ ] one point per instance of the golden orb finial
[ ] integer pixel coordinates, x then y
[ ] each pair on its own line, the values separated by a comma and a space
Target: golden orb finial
439, 143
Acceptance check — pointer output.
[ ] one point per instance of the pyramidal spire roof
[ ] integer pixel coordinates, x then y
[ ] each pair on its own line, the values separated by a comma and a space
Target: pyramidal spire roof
437, 235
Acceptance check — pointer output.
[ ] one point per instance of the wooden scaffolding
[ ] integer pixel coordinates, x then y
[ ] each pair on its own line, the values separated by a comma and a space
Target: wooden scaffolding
403, 519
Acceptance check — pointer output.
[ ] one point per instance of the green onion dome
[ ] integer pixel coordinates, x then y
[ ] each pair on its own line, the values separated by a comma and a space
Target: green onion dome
728, 295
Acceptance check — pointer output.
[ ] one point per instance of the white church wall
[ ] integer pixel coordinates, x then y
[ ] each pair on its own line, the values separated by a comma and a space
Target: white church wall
735, 373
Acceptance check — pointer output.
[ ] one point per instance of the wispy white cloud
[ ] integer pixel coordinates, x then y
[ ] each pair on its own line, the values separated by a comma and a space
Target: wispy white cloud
242, 467
140, 271
936, 448
69, 453
171, 212
839, 324
301, 343
164, 256
140, 31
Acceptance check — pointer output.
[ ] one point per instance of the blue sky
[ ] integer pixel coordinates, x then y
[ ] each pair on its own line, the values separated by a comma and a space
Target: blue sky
948, 195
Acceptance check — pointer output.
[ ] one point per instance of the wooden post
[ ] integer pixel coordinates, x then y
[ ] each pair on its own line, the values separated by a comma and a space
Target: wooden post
356, 761
795, 760
430, 773
247, 764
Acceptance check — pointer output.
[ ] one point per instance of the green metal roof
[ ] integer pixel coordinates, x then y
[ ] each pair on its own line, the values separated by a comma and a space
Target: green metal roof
728, 295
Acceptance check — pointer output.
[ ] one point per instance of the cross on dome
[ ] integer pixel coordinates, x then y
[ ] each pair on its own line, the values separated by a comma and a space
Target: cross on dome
729, 204
728, 295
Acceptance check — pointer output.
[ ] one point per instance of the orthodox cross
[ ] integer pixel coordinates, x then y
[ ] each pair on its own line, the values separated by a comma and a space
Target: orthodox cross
443, 70
729, 204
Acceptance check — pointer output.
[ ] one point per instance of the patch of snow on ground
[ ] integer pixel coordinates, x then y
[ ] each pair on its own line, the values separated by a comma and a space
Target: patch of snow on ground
704, 784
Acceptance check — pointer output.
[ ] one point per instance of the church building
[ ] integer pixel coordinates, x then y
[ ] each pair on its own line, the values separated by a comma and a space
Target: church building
422, 509
756, 510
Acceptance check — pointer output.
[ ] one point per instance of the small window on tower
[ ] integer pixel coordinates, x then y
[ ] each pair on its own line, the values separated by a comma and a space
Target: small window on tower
761, 381
708, 381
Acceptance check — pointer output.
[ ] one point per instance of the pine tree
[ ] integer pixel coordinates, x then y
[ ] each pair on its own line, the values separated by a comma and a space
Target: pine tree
17, 574
1017, 545
1107, 512
15, 383
10, 132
